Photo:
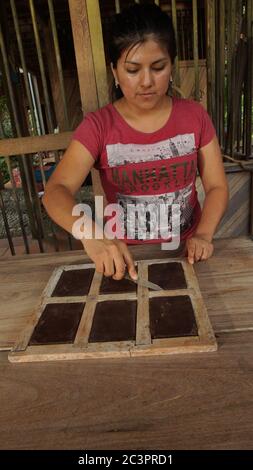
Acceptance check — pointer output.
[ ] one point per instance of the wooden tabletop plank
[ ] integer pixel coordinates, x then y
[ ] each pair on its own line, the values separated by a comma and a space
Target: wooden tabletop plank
225, 283
199, 401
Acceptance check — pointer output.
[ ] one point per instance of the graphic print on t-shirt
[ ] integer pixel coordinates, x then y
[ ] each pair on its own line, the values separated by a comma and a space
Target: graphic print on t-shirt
143, 218
178, 146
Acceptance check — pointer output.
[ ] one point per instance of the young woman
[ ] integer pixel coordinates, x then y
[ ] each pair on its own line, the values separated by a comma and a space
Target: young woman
147, 146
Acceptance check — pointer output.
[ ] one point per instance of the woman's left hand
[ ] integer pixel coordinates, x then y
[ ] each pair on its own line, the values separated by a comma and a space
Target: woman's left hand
198, 249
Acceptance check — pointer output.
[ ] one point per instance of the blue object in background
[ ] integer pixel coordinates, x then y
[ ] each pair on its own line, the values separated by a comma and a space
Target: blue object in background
48, 170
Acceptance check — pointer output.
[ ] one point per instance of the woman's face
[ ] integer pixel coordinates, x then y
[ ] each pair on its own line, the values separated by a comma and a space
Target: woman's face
143, 74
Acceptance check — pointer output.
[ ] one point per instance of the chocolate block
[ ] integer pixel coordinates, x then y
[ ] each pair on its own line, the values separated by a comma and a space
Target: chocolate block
74, 282
58, 324
171, 317
114, 321
110, 286
167, 275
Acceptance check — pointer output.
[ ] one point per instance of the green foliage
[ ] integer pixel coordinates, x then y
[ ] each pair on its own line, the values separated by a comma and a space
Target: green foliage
5, 118
4, 170
7, 133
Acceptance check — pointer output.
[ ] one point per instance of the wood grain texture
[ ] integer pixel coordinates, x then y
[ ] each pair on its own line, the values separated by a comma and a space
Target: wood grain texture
174, 402
225, 283
83, 53
108, 321
28, 145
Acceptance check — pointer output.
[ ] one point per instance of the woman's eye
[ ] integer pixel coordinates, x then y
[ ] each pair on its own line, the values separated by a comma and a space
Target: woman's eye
158, 70
155, 70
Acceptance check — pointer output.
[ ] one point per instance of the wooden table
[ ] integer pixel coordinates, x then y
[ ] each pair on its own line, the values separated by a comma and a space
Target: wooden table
198, 401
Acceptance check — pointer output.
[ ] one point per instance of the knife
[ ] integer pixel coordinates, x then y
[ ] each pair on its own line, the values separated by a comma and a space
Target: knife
142, 282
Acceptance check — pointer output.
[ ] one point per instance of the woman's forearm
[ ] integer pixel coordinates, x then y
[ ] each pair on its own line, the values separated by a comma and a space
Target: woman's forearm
59, 204
215, 204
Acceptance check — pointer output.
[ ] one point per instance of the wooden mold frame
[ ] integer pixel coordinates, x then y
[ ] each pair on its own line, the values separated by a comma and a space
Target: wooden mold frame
143, 345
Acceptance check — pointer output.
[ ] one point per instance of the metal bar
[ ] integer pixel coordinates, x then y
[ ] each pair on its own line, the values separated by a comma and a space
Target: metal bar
243, 121
249, 110
184, 41
240, 77
37, 105
195, 48
117, 6
15, 196
210, 28
202, 53
221, 71
251, 206
6, 225
70, 241
233, 11
230, 49
217, 81
23, 62
23, 163
38, 214
249, 81
42, 171
55, 240
239, 127
58, 61
9, 84
174, 21
41, 65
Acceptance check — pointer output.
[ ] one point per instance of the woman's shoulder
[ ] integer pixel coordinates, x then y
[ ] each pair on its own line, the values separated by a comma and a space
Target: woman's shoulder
187, 104
100, 113
98, 120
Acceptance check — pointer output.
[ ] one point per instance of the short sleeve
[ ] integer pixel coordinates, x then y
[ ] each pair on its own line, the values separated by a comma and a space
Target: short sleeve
208, 131
89, 133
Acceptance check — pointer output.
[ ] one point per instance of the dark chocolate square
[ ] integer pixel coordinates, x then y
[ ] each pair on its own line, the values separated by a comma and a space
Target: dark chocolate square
167, 275
74, 282
110, 286
114, 321
171, 317
58, 324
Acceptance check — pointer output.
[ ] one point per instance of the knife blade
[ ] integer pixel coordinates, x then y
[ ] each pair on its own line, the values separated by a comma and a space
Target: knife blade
144, 283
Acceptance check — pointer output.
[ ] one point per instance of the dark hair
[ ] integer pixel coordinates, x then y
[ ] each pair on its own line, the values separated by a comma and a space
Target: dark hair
134, 25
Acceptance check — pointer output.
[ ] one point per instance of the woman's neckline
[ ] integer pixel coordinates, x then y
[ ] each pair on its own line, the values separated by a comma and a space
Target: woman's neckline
141, 132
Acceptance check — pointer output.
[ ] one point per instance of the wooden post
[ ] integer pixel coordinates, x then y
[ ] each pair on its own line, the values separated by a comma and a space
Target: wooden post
97, 45
85, 68
196, 48
83, 52
210, 35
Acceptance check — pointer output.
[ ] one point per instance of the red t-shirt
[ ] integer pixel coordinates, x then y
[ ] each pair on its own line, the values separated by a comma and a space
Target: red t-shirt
149, 168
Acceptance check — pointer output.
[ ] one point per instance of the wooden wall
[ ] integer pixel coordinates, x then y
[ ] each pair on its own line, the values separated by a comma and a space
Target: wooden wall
236, 221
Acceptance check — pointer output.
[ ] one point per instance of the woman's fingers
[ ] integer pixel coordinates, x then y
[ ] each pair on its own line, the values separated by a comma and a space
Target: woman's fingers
130, 263
111, 258
109, 269
119, 264
191, 251
207, 251
198, 249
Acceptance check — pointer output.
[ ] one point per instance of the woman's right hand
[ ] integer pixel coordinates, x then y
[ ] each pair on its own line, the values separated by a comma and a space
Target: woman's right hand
111, 257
